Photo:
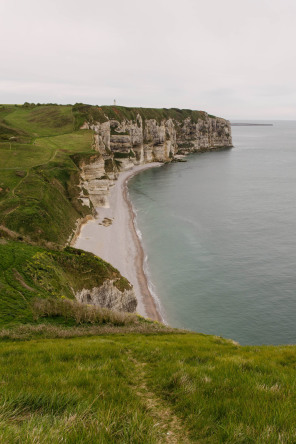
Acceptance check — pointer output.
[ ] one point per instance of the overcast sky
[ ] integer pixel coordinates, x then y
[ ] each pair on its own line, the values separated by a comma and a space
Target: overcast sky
232, 58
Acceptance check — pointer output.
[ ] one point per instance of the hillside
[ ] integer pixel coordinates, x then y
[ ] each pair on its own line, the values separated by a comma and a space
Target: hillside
28, 272
39, 181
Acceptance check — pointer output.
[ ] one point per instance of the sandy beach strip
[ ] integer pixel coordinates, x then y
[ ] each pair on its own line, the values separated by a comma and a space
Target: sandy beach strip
112, 236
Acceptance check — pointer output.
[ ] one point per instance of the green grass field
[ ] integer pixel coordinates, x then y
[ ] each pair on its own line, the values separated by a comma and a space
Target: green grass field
38, 177
152, 388
42, 120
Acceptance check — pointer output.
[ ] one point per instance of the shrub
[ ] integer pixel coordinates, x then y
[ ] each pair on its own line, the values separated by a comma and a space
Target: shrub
79, 312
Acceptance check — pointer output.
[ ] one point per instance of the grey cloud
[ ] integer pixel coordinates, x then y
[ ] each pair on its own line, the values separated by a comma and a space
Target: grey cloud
231, 58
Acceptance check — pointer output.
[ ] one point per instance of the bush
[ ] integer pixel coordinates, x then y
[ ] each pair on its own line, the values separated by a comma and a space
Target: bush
80, 313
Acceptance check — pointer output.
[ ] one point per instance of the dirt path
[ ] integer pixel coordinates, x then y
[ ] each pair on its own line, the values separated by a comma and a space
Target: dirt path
170, 426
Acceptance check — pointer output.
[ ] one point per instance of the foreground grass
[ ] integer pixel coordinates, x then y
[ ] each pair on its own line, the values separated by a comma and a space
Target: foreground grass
70, 393
137, 388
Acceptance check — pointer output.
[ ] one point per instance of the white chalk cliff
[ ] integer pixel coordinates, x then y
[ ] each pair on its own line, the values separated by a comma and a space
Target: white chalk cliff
122, 143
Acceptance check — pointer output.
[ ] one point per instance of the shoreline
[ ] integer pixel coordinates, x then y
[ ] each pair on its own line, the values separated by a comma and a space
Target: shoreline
148, 300
118, 242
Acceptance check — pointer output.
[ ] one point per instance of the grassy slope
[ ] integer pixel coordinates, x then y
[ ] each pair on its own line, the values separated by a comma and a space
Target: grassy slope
42, 121
28, 272
38, 178
138, 388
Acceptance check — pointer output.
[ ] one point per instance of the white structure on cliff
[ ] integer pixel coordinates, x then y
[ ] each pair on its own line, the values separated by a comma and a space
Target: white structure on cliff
114, 103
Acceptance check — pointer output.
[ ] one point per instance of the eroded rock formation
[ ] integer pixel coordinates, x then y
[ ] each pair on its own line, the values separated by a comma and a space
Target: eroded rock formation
126, 142
147, 140
109, 296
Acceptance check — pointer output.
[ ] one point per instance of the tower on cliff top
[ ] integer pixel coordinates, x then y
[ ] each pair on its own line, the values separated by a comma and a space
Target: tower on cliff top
114, 103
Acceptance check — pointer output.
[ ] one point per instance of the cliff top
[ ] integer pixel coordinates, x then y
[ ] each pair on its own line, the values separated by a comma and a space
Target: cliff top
101, 114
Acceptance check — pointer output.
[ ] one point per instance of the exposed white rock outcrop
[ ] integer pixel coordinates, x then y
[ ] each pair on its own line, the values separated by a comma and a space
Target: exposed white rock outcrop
206, 134
94, 182
149, 140
109, 296
122, 144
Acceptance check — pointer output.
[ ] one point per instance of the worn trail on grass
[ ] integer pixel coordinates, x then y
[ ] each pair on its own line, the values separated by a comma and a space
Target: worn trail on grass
170, 426
18, 184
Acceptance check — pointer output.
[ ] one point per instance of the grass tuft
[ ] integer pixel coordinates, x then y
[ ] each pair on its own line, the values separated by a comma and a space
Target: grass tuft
143, 388
78, 312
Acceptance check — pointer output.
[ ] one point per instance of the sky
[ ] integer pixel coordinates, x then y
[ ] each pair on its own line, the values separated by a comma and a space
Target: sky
232, 58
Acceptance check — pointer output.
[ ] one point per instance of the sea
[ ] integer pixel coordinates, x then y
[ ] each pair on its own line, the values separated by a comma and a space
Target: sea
219, 236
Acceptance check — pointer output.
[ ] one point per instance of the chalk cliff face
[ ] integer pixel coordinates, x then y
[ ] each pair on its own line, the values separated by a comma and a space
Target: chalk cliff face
147, 140
94, 181
126, 142
109, 296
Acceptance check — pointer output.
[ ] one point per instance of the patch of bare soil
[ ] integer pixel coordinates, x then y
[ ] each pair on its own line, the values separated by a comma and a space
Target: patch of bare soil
171, 429
20, 279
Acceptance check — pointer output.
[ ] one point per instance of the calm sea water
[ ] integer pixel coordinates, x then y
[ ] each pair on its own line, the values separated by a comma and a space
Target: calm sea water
220, 237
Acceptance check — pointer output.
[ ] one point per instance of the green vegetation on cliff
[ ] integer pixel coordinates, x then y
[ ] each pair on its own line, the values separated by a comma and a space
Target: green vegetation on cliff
38, 177
28, 272
91, 113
